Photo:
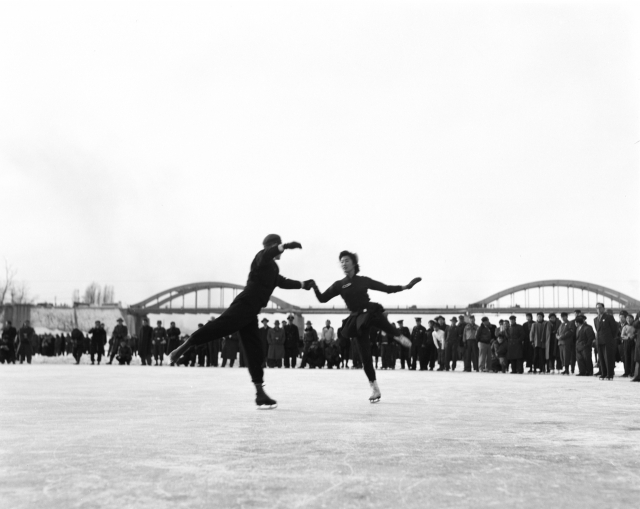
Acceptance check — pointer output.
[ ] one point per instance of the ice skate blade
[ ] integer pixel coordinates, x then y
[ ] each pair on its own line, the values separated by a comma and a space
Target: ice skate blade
376, 400
267, 407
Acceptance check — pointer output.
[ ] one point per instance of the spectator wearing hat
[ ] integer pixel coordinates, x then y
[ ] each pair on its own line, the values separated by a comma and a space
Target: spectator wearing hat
310, 337
470, 340
120, 332
451, 343
97, 341
606, 334
484, 337
585, 337
264, 332
276, 340
418, 343
292, 336
405, 353
159, 342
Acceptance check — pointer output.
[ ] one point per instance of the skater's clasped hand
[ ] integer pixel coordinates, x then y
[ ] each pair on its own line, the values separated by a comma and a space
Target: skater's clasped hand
308, 284
292, 245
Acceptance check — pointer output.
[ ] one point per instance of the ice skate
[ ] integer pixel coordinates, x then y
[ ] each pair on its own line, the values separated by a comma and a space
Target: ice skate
403, 340
375, 394
263, 401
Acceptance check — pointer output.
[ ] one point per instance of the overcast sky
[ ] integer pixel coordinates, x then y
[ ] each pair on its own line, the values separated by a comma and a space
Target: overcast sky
478, 145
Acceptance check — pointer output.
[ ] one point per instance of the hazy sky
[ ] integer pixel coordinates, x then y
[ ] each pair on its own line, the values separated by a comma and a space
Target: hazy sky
478, 145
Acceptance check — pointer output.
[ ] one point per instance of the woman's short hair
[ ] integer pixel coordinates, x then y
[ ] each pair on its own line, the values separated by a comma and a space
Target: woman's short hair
354, 259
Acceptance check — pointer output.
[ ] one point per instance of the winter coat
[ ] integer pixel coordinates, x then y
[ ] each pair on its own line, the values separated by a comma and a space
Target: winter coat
515, 341
584, 337
483, 335
540, 334
606, 329
230, 346
292, 336
276, 340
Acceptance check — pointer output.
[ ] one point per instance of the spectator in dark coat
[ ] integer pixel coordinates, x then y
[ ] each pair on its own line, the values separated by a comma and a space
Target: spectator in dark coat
276, 340
310, 338
418, 340
230, 349
145, 338
527, 347
292, 336
515, 345
484, 337
584, 341
451, 343
606, 334
263, 333
566, 336
539, 336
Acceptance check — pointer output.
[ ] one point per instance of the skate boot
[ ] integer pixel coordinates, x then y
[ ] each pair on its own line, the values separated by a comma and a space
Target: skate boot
375, 394
403, 340
263, 401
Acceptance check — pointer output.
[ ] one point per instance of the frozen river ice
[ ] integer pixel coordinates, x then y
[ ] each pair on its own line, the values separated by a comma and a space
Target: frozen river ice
134, 436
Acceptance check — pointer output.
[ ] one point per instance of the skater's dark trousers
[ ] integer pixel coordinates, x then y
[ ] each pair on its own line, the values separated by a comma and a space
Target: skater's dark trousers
471, 354
242, 317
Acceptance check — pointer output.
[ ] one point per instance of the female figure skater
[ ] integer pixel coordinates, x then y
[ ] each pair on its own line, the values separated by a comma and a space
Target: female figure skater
242, 314
364, 313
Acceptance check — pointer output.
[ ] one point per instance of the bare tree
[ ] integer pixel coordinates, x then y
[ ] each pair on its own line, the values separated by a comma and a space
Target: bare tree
108, 294
20, 293
7, 284
93, 294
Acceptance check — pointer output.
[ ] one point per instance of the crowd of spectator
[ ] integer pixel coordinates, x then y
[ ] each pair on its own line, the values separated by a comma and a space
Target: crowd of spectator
545, 345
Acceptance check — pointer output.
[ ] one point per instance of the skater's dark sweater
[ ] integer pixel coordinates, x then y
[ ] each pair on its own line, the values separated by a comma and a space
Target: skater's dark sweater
354, 291
264, 277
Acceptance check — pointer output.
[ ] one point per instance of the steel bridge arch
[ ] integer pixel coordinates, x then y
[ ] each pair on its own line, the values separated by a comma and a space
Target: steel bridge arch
614, 295
166, 296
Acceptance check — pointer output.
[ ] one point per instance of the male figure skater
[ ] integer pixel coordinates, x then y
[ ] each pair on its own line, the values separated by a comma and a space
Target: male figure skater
242, 314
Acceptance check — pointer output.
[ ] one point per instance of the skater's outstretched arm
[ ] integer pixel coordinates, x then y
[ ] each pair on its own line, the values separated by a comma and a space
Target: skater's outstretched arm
269, 253
330, 293
381, 287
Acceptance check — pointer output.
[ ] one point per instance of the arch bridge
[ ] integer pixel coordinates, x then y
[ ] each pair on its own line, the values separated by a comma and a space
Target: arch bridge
557, 295
553, 295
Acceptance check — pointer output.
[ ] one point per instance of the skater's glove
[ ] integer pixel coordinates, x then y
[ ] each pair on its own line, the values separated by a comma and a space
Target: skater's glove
413, 282
292, 245
308, 284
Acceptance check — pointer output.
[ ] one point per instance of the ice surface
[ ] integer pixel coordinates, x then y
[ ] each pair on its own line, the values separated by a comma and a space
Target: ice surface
176, 437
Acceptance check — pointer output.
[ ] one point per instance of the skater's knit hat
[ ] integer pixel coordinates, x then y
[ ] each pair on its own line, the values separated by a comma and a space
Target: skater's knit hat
270, 239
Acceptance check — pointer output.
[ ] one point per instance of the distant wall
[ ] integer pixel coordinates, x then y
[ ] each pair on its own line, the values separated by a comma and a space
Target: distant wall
45, 319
